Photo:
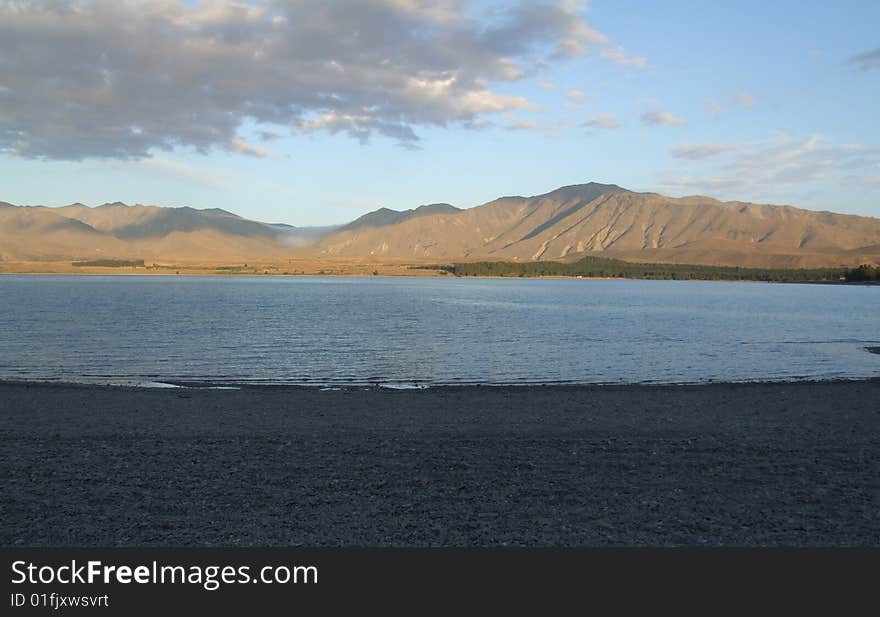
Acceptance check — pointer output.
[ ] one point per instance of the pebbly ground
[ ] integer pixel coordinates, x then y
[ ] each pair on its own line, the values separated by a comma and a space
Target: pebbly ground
720, 464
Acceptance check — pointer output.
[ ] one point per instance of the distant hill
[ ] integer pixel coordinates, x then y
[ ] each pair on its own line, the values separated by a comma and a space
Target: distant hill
567, 224
119, 230
134, 222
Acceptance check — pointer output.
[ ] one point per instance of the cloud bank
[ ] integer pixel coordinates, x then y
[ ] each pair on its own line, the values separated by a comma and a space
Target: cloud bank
104, 78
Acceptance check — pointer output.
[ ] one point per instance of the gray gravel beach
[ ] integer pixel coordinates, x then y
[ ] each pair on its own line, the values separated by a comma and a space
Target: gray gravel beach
794, 464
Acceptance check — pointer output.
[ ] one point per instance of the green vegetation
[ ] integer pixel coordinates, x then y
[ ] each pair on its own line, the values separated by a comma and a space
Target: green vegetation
110, 263
598, 267
863, 274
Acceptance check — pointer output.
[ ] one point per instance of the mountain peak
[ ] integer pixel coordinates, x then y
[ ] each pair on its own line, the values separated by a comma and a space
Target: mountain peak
386, 216
438, 208
590, 188
220, 211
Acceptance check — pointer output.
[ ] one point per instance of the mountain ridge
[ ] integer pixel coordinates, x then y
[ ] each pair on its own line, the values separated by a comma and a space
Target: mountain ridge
563, 224
593, 218
386, 216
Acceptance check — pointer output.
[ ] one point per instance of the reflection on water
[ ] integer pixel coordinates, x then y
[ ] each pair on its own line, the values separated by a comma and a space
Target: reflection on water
403, 332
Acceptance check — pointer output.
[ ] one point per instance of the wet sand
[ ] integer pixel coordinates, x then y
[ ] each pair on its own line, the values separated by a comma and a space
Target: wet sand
721, 464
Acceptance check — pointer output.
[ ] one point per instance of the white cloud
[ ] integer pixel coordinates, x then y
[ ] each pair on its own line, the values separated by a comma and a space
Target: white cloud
662, 118
618, 55
576, 96
97, 78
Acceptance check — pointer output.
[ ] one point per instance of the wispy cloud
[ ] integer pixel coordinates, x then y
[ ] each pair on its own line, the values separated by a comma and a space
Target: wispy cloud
602, 121
242, 147
518, 124
577, 97
227, 181
867, 60
713, 107
742, 99
782, 162
696, 152
140, 76
870, 180
662, 118
618, 55
186, 172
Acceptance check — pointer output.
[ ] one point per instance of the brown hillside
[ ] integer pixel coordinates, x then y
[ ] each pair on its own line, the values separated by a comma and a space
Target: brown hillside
605, 219
565, 224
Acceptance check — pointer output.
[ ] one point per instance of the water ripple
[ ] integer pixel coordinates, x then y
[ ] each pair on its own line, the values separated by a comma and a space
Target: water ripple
379, 332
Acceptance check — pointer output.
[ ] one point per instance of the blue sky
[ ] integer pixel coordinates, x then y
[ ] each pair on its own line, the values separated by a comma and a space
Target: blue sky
756, 101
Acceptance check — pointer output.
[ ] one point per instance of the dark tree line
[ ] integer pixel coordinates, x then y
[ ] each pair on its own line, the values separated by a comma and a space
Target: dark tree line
863, 274
599, 267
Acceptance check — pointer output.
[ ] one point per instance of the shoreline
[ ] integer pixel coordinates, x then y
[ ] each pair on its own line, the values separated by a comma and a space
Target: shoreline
175, 384
719, 464
425, 274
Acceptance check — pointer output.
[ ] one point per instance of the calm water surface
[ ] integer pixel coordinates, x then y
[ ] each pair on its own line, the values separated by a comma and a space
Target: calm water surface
410, 331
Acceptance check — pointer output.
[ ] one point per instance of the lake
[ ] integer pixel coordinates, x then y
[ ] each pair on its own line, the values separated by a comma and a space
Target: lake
405, 332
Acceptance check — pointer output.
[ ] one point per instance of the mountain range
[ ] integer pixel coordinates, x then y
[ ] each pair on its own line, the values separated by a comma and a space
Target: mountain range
565, 224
